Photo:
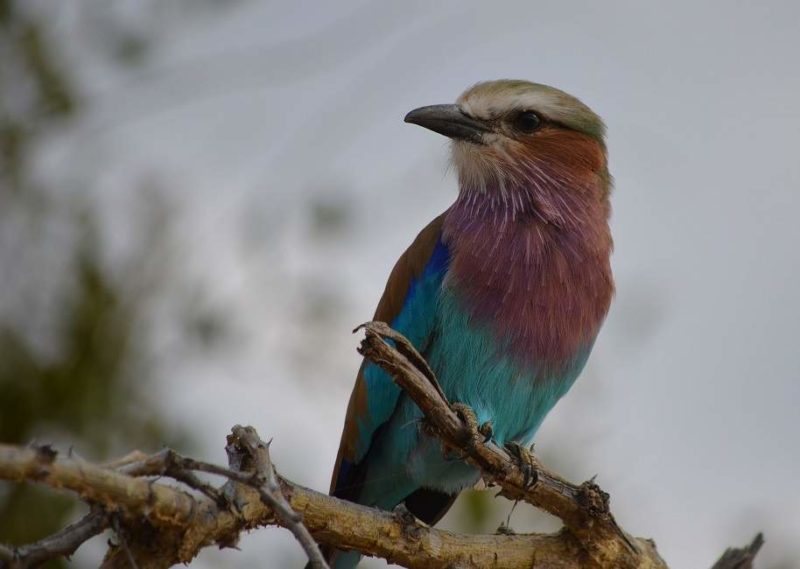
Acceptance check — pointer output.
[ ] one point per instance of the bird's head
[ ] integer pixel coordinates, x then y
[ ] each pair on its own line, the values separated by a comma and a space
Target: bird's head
513, 136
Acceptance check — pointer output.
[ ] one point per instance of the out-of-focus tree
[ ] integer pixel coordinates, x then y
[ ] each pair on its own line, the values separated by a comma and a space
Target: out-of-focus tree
73, 367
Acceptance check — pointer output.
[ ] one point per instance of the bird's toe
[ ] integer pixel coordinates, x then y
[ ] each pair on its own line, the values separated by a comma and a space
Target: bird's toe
467, 416
487, 430
526, 462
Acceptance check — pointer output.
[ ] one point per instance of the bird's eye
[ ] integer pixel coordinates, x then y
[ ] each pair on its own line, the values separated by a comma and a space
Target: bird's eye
527, 121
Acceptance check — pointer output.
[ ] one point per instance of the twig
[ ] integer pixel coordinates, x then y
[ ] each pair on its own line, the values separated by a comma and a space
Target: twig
146, 465
185, 523
243, 442
61, 544
247, 438
583, 509
167, 463
131, 458
119, 531
406, 348
174, 469
741, 558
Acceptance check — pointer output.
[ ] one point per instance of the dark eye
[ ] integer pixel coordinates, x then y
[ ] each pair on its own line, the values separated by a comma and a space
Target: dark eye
527, 121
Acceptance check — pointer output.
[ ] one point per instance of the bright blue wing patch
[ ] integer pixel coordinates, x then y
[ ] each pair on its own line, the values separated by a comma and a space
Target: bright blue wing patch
415, 321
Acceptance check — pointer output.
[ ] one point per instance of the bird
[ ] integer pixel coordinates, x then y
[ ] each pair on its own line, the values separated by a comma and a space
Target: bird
503, 293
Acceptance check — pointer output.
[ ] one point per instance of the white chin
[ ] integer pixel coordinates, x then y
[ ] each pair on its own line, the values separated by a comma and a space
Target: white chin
477, 165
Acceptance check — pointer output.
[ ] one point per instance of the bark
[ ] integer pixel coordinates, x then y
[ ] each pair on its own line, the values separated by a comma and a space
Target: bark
158, 523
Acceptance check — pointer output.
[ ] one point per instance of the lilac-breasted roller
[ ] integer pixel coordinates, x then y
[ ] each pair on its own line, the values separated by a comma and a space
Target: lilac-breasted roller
503, 293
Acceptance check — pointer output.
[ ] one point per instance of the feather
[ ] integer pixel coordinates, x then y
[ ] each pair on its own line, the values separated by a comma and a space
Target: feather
405, 305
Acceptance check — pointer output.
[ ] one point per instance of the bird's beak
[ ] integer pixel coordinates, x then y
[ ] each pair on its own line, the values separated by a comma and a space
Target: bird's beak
450, 121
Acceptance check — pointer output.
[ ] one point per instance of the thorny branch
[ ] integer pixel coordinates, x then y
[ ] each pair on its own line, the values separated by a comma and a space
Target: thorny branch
159, 525
740, 558
164, 525
61, 544
583, 509
265, 480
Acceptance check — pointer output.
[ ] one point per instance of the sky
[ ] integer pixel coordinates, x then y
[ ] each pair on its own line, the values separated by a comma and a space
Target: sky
275, 131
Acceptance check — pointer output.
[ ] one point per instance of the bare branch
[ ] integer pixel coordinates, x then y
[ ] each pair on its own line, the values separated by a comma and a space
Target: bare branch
741, 558
249, 456
120, 532
246, 439
184, 523
583, 509
159, 524
60, 544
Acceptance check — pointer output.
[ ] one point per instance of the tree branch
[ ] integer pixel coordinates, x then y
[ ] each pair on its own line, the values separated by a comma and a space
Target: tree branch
182, 524
741, 558
160, 524
60, 544
583, 509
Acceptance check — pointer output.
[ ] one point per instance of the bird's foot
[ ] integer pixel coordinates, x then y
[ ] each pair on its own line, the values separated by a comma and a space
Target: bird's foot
526, 462
487, 430
403, 515
471, 430
407, 520
467, 415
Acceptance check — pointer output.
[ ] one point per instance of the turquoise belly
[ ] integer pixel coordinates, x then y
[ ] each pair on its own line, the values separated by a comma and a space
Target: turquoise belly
472, 368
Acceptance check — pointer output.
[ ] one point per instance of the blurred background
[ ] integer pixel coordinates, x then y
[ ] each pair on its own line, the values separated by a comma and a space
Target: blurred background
200, 199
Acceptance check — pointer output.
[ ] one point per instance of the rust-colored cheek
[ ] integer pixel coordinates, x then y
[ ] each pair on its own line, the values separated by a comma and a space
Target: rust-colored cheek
573, 151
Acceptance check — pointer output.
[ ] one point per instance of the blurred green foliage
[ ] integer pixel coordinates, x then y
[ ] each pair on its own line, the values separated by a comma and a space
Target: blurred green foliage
84, 396
33, 90
477, 507
86, 388
90, 394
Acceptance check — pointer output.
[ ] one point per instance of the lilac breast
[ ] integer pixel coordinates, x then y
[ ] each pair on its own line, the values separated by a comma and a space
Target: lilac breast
543, 290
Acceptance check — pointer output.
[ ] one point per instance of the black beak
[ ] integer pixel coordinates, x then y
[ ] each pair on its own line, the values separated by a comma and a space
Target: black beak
450, 121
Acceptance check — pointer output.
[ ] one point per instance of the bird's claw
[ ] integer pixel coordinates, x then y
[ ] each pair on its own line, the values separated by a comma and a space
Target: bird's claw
467, 416
526, 463
411, 527
471, 432
403, 515
487, 430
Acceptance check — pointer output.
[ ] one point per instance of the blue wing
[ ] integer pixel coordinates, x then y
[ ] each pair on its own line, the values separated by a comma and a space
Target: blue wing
409, 306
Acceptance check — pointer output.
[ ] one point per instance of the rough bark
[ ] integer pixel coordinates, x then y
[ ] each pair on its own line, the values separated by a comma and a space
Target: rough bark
158, 524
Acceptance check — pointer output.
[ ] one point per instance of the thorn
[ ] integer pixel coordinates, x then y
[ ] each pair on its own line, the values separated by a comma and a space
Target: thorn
46, 453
